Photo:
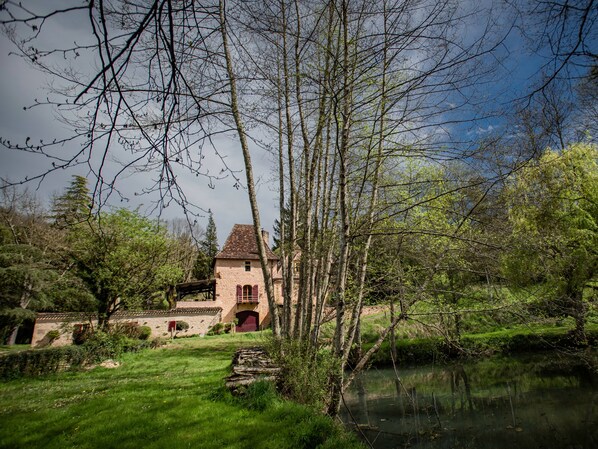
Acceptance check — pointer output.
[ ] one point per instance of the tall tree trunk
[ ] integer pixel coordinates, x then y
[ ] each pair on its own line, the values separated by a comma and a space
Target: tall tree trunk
345, 229
240, 127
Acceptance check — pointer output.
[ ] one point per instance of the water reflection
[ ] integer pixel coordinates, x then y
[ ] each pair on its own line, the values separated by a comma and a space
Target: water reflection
538, 402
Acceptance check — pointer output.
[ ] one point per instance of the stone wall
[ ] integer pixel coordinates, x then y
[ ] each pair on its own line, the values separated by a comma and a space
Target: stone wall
200, 319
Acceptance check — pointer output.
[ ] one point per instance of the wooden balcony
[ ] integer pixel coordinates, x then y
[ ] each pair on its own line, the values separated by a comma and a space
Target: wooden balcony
247, 299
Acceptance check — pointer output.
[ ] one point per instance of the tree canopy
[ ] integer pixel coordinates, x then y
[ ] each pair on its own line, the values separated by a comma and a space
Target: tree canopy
553, 210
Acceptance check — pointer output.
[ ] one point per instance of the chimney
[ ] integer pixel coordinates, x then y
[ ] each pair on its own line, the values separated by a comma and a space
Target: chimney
266, 238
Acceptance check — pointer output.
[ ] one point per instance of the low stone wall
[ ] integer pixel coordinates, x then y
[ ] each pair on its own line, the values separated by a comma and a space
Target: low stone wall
200, 319
249, 366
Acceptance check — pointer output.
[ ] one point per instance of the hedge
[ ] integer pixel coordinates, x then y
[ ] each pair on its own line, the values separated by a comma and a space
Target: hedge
38, 362
42, 361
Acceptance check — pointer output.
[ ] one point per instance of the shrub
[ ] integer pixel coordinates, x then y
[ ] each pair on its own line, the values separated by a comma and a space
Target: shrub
157, 342
128, 329
259, 396
216, 329
53, 335
145, 332
304, 372
81, 333
41, 361
103, 345
182, 325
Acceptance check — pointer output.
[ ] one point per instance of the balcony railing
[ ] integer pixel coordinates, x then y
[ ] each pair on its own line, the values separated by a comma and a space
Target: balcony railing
246, 299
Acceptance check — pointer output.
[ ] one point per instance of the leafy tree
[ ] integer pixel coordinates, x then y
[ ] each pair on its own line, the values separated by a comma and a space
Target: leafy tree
34, 275
25, 275
553, 210
124, 259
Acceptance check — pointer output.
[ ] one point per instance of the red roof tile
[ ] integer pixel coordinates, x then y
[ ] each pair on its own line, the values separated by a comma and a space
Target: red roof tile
241, 244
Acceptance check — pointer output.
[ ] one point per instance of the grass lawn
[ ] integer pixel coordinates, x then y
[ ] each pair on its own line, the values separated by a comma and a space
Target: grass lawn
166, 398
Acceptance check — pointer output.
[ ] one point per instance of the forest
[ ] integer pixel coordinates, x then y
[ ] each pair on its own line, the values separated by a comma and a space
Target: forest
410, 171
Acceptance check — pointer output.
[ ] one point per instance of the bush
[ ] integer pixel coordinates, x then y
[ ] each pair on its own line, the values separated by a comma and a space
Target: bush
182, 325
145, 332
103, 345
216, 329
128, 329
53, 335
41, 361
305, 373
81, 333
157, 342
98, 346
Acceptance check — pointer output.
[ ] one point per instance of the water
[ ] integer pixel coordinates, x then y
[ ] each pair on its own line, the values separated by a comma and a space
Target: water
535, 402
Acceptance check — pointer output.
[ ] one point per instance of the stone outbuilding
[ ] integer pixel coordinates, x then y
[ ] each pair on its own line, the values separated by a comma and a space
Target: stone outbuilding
161, 322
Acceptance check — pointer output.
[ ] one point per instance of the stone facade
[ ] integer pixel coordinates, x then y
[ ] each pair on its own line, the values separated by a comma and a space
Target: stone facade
240, 287
230, 274
200, 318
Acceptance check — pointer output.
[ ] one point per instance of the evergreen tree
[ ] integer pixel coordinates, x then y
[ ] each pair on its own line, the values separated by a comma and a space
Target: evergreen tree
208, 248
75, 205
209, 245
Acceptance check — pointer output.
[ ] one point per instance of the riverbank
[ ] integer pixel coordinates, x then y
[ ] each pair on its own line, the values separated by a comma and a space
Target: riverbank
170, 397
518, 340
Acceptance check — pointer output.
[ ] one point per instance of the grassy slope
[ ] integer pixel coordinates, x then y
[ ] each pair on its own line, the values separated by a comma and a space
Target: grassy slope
416, 344
165, 398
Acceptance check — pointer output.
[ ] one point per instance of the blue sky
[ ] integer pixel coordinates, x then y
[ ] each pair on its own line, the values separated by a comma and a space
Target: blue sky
20, 85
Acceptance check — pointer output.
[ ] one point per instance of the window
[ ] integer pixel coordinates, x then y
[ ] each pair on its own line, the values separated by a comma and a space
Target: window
247, 293
248, 266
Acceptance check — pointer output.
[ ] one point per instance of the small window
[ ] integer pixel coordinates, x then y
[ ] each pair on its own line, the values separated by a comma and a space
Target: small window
248, 266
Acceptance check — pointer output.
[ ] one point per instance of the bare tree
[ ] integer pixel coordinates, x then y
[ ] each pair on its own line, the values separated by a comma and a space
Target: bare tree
349, 91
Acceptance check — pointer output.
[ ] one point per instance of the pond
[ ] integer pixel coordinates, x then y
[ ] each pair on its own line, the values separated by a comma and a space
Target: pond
524, 402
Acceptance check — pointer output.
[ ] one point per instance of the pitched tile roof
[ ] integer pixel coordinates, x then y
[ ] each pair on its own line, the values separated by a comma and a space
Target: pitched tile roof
241, 244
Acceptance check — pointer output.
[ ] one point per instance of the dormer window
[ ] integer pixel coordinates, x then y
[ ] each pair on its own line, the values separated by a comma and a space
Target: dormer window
247, 265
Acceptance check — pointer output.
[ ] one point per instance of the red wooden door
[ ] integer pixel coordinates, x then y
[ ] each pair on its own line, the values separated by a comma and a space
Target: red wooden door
248, 321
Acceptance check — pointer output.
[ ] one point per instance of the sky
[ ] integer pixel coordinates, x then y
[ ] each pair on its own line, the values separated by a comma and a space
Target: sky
20, 84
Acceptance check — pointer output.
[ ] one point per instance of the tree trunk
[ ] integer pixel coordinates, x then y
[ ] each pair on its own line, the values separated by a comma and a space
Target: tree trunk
579, 314
249, 175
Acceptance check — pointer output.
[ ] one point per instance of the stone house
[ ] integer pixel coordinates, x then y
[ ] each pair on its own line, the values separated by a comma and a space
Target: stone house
236, 294
240, 287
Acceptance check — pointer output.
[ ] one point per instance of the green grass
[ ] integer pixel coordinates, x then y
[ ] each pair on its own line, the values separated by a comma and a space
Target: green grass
516, 339
171, 397
13, 348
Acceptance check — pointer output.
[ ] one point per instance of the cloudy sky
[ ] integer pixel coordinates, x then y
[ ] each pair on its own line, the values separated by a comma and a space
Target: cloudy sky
20, 85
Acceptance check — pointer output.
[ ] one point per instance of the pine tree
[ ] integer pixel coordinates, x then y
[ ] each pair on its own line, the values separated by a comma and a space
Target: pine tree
208, 248
209, 245
74, 206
